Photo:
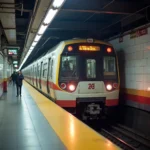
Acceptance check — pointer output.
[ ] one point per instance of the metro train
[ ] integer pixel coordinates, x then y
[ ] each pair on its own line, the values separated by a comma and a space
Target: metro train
80, 75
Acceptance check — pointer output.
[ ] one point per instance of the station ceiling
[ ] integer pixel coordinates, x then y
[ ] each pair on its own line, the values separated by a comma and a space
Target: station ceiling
22, 22
100, 19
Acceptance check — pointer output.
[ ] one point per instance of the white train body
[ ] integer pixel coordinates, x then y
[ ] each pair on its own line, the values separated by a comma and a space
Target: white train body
79, 76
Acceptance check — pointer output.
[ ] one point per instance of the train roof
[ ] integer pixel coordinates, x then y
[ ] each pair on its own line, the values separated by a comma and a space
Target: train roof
85, 41
71, 41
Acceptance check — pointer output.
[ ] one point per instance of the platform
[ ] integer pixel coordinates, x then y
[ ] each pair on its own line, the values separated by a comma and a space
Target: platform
33, 122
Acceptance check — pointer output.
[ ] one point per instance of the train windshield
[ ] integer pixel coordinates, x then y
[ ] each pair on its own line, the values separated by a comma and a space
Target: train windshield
109, 67
90, 68
68, 67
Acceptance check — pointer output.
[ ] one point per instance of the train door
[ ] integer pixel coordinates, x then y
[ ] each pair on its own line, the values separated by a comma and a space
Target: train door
36, 74
33, 76
40, 78
91, 75
39, 75
48, 76
30, 74
45, 68
52, 92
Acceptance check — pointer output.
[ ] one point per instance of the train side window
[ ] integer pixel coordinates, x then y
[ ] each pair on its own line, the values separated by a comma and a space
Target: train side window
41, 68
51, 70
109, 66
35, 71
91, 68
45, 70
32, 72
38, 69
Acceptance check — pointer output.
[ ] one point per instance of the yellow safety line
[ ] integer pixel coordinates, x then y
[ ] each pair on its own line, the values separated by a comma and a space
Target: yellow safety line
72, 132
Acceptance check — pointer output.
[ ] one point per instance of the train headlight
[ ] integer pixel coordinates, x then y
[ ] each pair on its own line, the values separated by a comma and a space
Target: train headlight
63, 85
109, 50
109, 87
71, 87
115, 85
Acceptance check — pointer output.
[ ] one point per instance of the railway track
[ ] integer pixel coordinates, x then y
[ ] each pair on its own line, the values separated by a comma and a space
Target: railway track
126, 138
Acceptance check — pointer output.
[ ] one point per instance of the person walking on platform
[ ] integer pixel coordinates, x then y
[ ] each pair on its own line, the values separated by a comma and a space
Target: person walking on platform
14, 77
20, 77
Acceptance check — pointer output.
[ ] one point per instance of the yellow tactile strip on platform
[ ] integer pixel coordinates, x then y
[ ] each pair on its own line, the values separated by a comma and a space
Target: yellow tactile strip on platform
73, 133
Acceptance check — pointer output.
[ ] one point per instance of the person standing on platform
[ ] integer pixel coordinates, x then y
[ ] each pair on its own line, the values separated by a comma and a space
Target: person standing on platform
20, 77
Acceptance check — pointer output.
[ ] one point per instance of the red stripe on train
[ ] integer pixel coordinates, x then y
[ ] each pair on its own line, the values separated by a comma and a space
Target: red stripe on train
72, 103
68, 103
44, 83
112, 102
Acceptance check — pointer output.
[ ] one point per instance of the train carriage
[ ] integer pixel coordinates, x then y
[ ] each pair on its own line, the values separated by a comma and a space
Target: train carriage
80, 75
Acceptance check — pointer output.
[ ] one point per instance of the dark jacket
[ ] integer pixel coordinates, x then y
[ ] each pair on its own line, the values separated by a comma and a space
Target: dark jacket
14, 76
19, 79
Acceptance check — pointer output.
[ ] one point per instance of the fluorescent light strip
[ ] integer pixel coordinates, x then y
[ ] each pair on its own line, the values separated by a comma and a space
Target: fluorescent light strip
58, 3
42, 29
37, 38
50, 15
34, 44
31, 48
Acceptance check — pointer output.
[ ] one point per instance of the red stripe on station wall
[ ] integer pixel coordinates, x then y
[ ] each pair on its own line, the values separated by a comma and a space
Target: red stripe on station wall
138, 99
112, 102
68, 103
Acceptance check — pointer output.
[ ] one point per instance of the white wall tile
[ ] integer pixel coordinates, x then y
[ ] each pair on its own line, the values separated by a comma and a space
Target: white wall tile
129, 77
130, 63
130, 70
137, 61
148, 61
139, 55
139, 70
146, 85
146, 46
139, 78
142, 39
133, 55
146, 54
146, 78
140, 62
139, 85
130, 85
146, 70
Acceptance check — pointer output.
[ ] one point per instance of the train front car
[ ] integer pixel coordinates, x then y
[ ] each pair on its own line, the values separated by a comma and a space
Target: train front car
88, 77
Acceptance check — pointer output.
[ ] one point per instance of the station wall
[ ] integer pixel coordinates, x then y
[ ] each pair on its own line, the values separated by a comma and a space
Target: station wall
9, 72
1, 75
134, 63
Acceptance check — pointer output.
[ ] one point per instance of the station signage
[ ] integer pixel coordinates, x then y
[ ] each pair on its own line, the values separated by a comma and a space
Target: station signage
12, 51
89, 48
15, 62
139, 33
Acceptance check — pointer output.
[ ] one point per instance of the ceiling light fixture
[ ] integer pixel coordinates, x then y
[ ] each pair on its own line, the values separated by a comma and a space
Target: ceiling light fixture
44, 25
58, 3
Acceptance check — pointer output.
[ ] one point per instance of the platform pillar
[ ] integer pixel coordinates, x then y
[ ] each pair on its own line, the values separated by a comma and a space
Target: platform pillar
5, 74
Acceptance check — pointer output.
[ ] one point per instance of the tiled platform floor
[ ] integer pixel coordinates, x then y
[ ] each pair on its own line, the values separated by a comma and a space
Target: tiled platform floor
22, 126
